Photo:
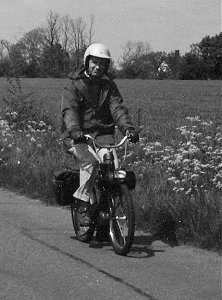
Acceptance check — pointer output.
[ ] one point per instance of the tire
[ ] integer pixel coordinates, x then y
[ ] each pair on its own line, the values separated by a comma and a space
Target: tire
83, 233
122, 223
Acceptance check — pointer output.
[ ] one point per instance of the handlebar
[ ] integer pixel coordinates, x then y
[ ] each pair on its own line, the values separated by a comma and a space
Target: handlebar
107, 146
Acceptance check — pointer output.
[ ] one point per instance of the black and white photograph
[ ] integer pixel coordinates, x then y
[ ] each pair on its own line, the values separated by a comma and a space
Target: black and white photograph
110, 149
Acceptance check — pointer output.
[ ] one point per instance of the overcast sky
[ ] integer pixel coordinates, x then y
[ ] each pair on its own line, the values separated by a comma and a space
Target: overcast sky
166, 25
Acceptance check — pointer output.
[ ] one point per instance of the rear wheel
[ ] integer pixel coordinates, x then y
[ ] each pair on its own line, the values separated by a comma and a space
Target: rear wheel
122, 223
83, 233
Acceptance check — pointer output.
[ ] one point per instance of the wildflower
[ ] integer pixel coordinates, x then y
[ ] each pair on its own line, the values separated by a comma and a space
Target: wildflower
177, 181
193, 119
188, 191
207, 123
171, 178
165, 158
184, 152
184, 131
219, 185
194, 176
3, 123
41, 124
181, 189
181, 128
208, 137
14, 115
186, 160
157, 144
219, 174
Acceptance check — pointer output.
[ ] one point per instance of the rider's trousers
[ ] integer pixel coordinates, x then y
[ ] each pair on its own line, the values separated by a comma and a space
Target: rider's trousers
89, 160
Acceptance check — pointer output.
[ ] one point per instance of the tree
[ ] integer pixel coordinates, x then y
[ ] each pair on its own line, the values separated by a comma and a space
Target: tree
51, 50
55, 61
173, 60
66, 33
193, 67
4, 57
17, 60
81, 39
138, 61
133, 59
134, 50
52, 29
210, 49
52, 46
32, 44
4, 49
72, 35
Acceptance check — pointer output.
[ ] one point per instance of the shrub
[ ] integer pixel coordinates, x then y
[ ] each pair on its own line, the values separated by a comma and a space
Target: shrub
30, 148
183, 182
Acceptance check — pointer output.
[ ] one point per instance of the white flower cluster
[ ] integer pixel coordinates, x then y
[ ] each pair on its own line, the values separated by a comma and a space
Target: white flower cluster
11, 139
193, 163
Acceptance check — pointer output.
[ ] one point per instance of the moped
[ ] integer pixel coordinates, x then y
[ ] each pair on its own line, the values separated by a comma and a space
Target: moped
114, 208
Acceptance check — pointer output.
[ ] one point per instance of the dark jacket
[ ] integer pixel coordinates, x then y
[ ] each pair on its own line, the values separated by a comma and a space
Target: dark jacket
94, 107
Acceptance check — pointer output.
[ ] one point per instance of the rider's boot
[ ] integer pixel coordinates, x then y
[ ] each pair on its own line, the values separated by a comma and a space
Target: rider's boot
84, 214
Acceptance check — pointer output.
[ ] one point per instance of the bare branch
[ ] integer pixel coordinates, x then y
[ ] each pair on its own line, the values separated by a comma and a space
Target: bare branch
91, 29
66, 33
52, 28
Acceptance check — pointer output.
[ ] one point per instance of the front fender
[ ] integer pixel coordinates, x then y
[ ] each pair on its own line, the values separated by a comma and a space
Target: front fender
127, 177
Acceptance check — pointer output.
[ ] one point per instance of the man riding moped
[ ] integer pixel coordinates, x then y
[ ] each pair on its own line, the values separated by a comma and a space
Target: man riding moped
93, 105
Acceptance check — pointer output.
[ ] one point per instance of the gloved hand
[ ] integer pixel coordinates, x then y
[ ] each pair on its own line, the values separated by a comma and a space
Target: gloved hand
77, 136
133, 135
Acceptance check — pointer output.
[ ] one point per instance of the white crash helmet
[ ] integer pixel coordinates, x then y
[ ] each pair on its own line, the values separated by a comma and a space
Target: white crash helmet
97, 50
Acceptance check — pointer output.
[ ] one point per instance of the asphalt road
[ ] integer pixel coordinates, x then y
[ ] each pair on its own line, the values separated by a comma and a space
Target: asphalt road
40, 259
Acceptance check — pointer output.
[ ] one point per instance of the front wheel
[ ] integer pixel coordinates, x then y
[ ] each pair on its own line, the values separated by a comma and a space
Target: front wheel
122, 223
83, 233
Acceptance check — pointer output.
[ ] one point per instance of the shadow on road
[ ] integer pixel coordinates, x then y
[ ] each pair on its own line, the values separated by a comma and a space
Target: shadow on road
142, 245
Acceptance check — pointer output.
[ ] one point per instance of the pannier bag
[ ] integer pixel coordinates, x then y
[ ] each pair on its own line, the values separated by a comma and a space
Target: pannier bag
65, 183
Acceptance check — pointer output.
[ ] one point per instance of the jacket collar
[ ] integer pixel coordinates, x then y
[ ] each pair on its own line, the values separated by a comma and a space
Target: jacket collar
82, 74
104, 77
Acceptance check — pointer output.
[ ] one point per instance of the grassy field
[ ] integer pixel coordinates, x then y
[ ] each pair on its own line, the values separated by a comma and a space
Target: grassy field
161, 106
178, 161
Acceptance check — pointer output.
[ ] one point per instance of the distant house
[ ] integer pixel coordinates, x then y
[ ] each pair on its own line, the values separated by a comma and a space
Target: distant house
163, 67
163, 70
